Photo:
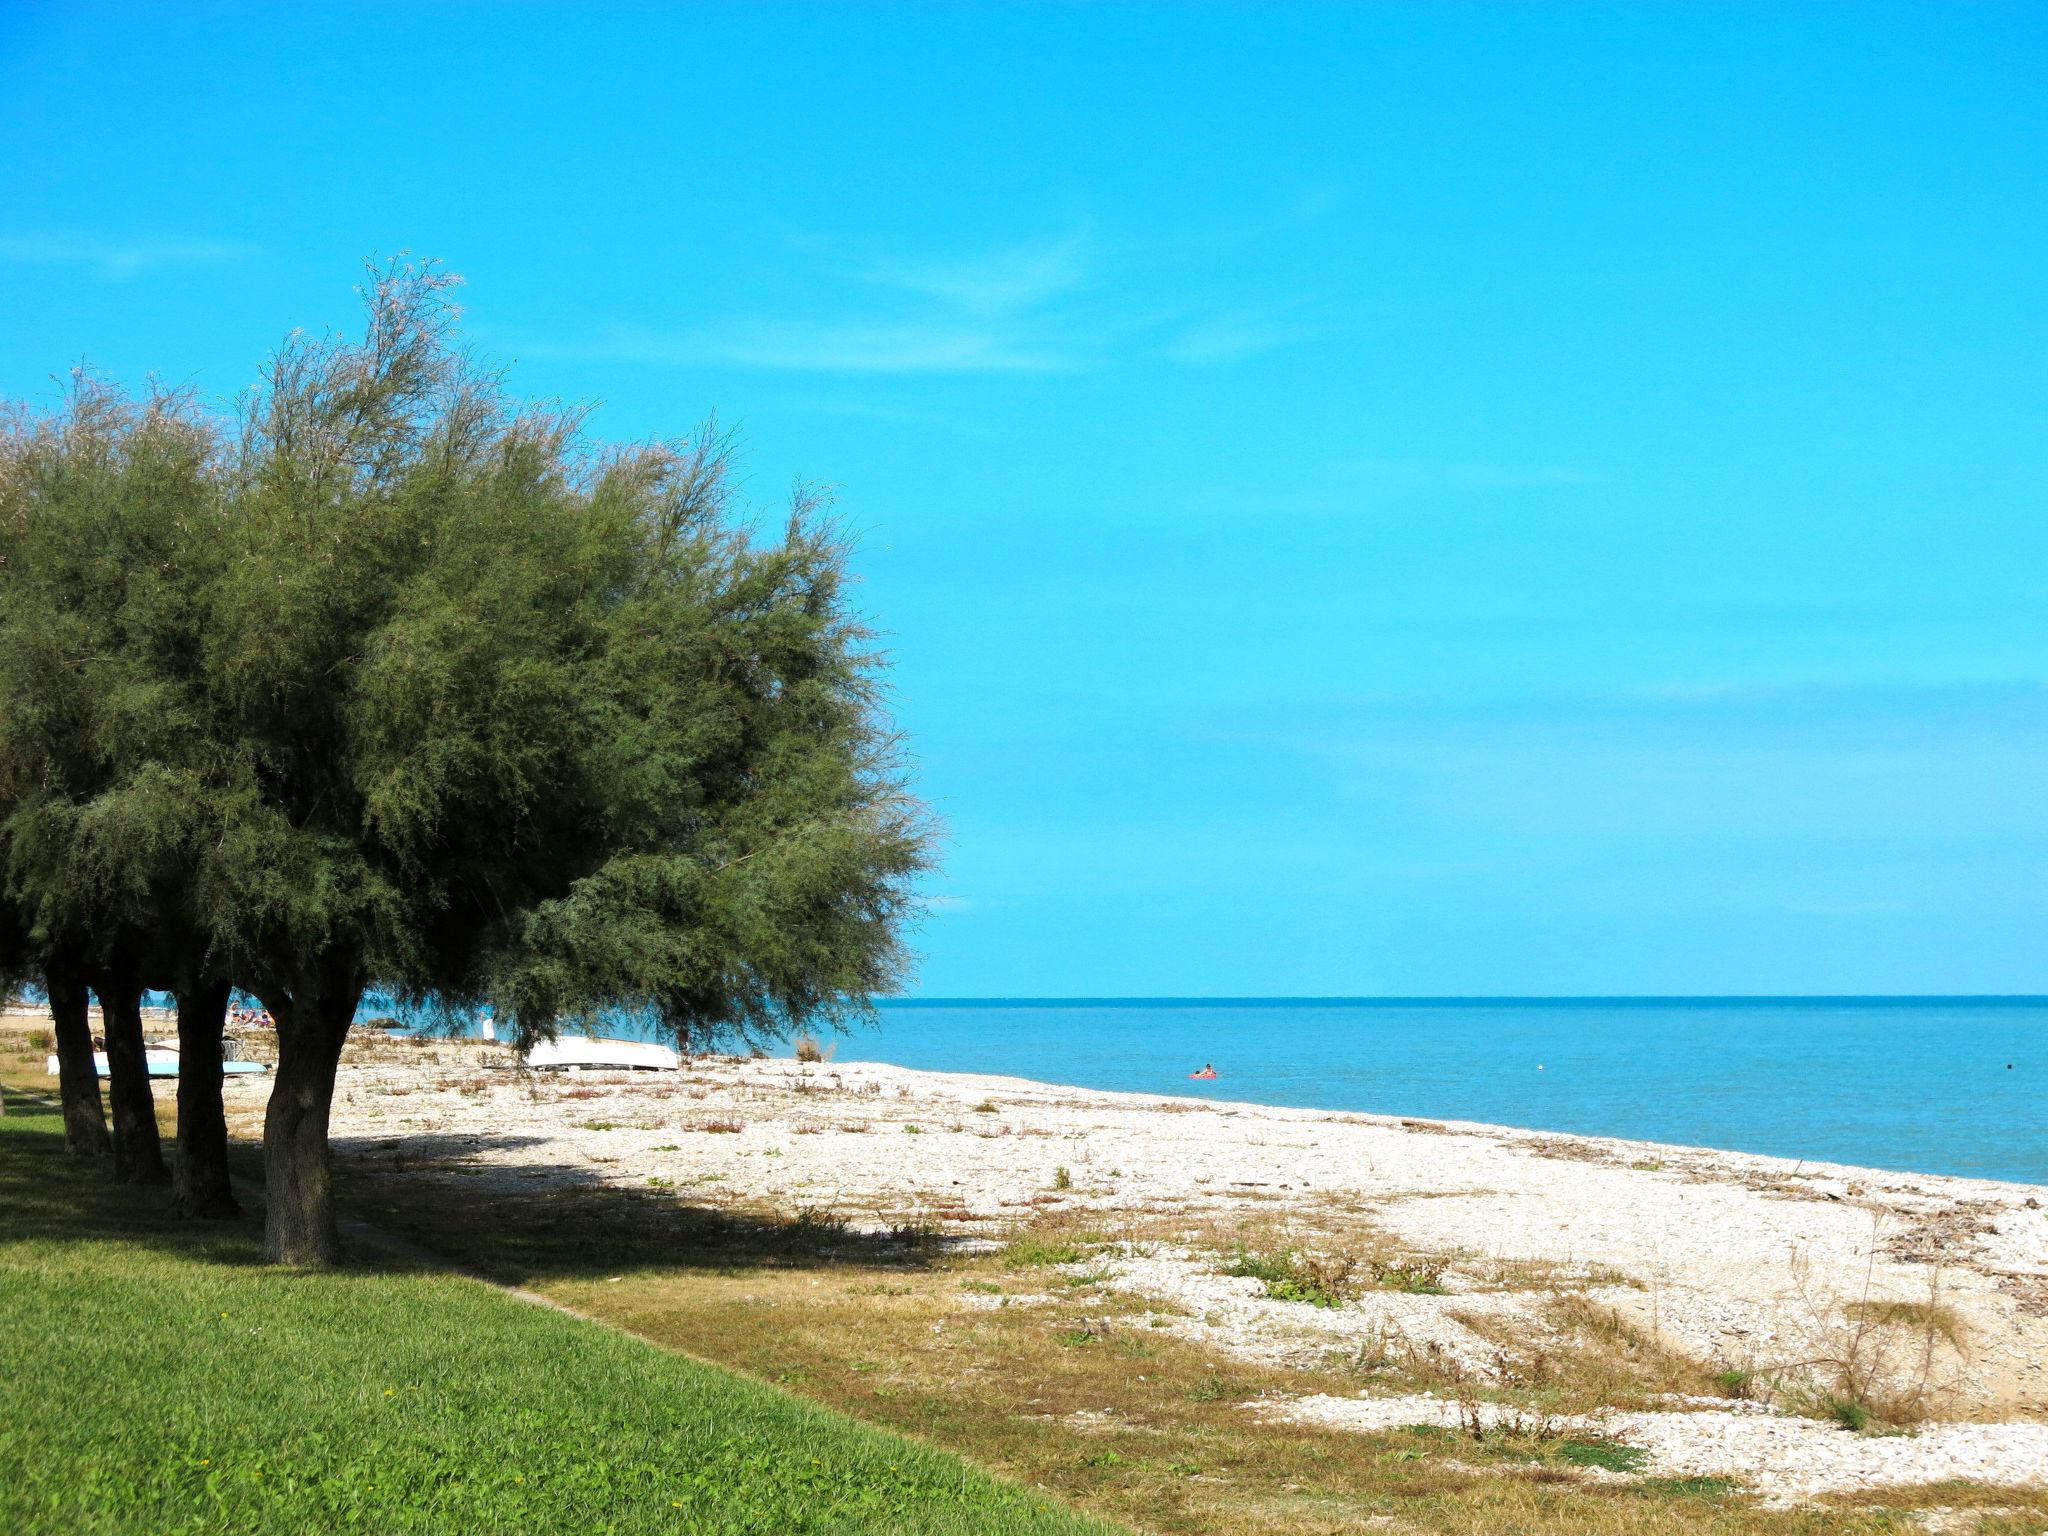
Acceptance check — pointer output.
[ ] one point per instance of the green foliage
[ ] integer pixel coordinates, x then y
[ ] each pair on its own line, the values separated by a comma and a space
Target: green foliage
402, 681
1029, 1252
1608, 1454
391, 1401
1291, 1276
1852, 1414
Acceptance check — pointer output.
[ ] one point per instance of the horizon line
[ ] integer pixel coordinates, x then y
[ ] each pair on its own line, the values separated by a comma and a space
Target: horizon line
1427, 999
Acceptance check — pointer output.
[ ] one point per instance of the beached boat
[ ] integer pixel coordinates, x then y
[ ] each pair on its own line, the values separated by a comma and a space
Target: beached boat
581, 1053
163, 1062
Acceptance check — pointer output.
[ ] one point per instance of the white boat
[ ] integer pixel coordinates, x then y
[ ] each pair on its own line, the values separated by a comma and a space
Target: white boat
581, 1053
163, 1062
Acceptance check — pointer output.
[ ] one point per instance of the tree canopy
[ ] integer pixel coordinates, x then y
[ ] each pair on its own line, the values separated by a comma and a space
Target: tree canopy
392, 680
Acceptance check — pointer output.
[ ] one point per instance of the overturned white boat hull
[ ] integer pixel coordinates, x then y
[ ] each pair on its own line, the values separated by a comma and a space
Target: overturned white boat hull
162, 1064
580, 1053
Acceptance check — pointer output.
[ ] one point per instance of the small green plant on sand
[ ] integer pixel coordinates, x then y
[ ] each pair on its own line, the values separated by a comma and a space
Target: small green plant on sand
1418, 1277
1061, 1179
1292, 1276
1610, 1455
1027, 1252
1848, 1412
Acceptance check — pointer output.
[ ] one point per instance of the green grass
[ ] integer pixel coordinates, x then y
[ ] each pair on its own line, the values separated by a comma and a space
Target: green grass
1026, 1252
1609, 1454
155, 1377
1287, 1277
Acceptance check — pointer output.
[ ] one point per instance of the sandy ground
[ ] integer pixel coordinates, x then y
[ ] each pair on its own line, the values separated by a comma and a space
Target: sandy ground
1739, 1261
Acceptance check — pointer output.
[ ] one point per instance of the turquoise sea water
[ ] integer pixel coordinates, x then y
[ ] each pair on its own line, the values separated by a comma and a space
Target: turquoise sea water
1918, 1084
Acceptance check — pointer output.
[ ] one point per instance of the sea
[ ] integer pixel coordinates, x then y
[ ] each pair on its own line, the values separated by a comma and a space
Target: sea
1955, 1085
1919, 1084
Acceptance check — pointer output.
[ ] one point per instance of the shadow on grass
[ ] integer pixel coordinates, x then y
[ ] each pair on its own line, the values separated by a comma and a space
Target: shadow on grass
48, 1195
569, 1223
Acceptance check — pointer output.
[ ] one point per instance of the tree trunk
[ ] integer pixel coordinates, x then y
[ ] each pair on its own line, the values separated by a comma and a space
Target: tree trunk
78, 1080
298, 1199
138, 1151
201, 1187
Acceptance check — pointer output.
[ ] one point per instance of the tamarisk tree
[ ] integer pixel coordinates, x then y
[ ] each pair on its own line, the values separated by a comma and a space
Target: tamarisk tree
103, 514
522, 719
401, 683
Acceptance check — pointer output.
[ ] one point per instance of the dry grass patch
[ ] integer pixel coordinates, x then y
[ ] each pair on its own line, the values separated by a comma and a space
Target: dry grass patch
1914, 1316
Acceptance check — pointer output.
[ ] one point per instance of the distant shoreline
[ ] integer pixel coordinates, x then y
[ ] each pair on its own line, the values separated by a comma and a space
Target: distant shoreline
1558, 1000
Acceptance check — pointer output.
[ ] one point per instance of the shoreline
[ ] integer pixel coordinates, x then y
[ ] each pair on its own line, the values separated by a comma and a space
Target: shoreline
1795, 1166
1723, 1254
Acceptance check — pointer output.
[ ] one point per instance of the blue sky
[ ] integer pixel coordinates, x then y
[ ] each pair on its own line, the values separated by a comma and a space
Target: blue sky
1380, 499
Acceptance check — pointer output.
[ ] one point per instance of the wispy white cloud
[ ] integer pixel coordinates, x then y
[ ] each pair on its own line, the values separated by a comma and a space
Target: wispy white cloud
996, 284
996, 312
831, 346
1228, 337
1059, 304
119, 260
936, 345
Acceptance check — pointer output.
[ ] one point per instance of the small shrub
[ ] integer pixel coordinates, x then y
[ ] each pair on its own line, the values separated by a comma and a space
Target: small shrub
1848, 1412
1103, 1459
856, 1128
600, 1125
985, 1107
1736, 1383
808, 1049
1418, 1277
41, 1040
1608, 1454
913, 1130
1078, 1338
1292, 1276
719, 1127
1061, 1179
1025, 1252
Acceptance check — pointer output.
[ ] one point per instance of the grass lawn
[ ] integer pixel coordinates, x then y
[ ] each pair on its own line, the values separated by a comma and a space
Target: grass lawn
155, 1378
